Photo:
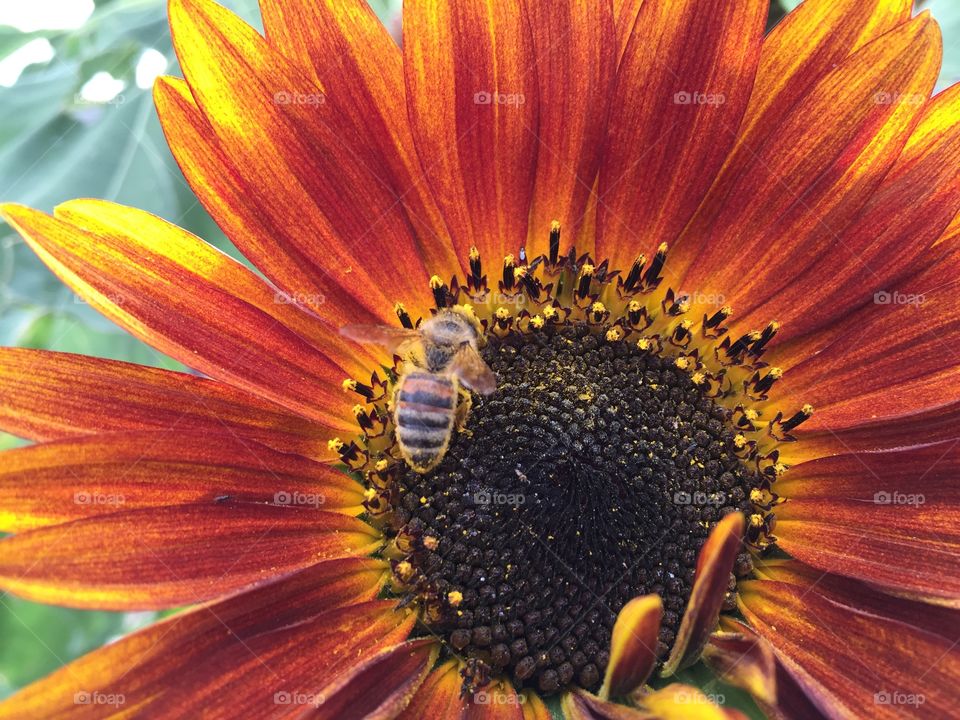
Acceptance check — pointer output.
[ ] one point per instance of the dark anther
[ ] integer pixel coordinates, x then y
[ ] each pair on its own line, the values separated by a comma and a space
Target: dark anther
441, 294
404, 316
633, 277
475, 281
509, 268
718, 317
800, 417
554, 242
652, 277
583, 284
757, 348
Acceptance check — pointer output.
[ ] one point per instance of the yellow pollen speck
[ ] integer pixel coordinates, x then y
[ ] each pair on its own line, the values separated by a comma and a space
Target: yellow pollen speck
614, 334
727, 310
740, 440
686, 324
454, 597
754, 335
359, 409
750, 414
808, 409
683, 362
381, 465
776, 372
474, 253
336, 444
774, 326
508, 261
698, 378
643, 343
423, 500
683, 306
404, 568
521, 271
598, 307
587, 269
756, 495
549, 311
555, 225
634, 306
756, 520
430, 542
349, 385
779, 469
537, 321
435, 282
662, 248
399, 309
502, 313
369, 494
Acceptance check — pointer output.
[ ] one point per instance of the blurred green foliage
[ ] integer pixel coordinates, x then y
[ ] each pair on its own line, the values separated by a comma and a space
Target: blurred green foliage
54, 145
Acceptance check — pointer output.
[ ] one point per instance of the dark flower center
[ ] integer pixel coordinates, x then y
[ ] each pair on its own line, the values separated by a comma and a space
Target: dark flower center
592, 475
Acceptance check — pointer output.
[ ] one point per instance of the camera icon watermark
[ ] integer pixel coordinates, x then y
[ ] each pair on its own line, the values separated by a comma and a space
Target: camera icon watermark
296, 498
484, 697
887, 697
95, 697
486, 97
494, 497
882, 497
884, 297
296, 697
97, 498
305, 299
290, 97
717, 499
685, 97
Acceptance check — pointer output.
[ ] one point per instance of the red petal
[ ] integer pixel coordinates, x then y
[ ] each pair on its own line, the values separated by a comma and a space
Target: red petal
170, 556
674, 118
382, 686
890, 518
576, 77
327, 200
49, 395
745, 660
714, 566
439, 697
152, 661
748, 222
359, 65
472, 97
189, 301
60, 481
633, 647
854, 661
922, 190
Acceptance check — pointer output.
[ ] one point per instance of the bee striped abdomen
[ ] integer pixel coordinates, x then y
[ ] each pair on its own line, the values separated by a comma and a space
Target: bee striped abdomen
424, 416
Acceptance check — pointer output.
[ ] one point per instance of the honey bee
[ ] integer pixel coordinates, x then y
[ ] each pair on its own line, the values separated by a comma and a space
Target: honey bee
442, 354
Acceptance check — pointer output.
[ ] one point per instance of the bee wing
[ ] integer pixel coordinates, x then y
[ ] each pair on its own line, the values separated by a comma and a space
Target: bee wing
472, 371
394, 339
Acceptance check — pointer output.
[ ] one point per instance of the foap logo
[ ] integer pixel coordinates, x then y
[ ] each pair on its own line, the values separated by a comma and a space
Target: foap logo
284, 497
484, 697
100, 300
898, 498
699, 498
296, 697
486, 496
485, 97
95, 497
499, 298
896, 98
883, 297
886, 697
287, 97
95, 697
684, 696
698, 98
306, 299
701, 298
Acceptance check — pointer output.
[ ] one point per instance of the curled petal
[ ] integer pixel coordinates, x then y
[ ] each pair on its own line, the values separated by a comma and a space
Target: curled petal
709, 587
745, 660
633, 647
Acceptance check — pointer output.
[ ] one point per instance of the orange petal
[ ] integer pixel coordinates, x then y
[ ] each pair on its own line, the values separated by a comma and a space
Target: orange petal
633, 646
891, 518
534, 708
922, 190
165, 557
853, 660
745, 660
66, 480
439, 697
576, 77
190, 301
354, 59
673, 118
270, 674
382, 686
890, 359
299, 159
714, 565
471, 82
49, 395
823, 179
154, 660
625, 13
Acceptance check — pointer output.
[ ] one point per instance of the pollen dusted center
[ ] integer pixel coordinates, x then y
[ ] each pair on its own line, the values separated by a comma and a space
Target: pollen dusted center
592, 475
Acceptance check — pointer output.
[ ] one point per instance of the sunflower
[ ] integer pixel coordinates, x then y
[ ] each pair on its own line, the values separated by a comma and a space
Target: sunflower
674, 239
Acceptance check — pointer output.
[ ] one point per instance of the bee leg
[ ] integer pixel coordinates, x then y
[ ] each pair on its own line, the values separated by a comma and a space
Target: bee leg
463, 412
